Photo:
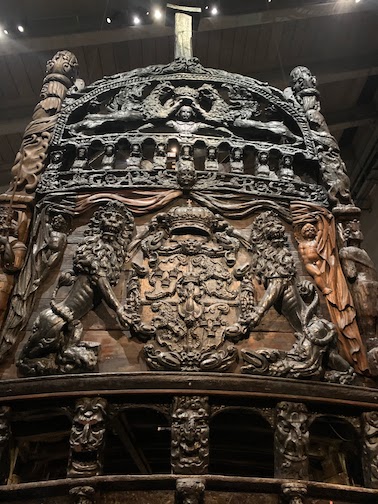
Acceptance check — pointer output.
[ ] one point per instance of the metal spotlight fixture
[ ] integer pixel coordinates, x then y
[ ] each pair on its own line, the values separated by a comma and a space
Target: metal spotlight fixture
20, 28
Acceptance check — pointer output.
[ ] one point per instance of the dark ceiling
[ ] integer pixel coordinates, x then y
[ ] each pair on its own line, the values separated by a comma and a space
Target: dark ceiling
337, 39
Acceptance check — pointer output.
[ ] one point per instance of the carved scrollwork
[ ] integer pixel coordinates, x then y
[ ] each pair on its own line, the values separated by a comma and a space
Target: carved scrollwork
190, 435
55, 345
87, 438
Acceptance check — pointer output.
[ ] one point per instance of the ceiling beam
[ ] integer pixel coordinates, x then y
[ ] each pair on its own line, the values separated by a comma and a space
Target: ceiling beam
265, 16
353, 117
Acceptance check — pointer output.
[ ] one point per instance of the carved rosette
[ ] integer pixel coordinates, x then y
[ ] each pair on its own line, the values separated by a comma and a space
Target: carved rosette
370, 448
291, 441
190, 435
87, 438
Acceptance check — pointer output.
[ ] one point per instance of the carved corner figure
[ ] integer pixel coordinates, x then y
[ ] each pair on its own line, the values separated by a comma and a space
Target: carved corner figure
304, 94
363, 282
190, 435
291, 441
61, 73
87, 438
55, 345
12, 255
316, 234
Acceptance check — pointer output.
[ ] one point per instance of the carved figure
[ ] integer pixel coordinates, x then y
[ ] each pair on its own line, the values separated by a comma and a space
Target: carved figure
160, 156
236, 160
263, 169
363, 281
108, 161
211, 162
294, 493
304, 94
87, 438
186, 173
61, 73
185, 124
286, 171
82, 495
135, 158
291, 441
317, 247
190, 435
55, 345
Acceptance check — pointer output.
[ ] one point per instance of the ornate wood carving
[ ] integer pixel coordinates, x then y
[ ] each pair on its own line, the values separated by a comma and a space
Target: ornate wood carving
189, 491
82, 495
294, 493
291, 440
5, 436
87, 438
190, 435
55, 345
370, 448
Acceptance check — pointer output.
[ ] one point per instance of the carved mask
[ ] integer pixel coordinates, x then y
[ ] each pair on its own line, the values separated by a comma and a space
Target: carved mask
292, 435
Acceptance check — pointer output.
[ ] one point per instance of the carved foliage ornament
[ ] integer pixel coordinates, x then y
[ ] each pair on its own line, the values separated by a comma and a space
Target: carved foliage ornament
87, 438
190, 435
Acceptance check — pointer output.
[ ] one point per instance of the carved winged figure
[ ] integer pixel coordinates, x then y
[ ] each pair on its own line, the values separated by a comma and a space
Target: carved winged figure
55, 345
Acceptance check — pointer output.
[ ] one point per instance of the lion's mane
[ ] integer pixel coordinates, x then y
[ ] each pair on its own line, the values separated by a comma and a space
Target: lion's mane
270, 260
103, 257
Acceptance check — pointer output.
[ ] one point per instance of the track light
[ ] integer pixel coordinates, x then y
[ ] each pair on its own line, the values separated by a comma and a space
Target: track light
108, 20
136, 20
20, 28
158, 14
5, 31
214, 11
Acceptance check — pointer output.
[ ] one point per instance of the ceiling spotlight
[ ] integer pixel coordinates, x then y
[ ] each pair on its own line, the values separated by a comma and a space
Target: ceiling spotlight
206, 7
158, 14
214, 11
20, 28
358, 1
108, 20
5, 31
136, 20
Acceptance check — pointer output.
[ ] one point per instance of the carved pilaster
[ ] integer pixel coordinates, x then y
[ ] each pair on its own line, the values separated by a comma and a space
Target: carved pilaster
291, 441
82, 495
370, 448
190, 435
189, 491
5, 435
294, 493
87, 438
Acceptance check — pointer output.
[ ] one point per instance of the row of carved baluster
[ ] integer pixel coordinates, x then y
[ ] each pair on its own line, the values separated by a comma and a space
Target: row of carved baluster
165, 156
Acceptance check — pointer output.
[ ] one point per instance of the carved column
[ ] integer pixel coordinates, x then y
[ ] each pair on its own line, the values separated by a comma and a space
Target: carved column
189, 491
370, 448
291, 441
87, 439
190, 435
5, 435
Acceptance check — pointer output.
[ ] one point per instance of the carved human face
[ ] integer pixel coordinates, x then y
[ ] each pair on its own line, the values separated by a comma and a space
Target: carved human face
292, 433
56, 157
211, 153
87, 436
308, 231
186, 175
58, 223
109, 151
237, 154
186, 113
302, 78
263, 157
81, 153
135, 149
286, 161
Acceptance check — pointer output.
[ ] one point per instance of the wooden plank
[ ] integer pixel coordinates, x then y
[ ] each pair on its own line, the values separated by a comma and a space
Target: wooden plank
148, 52
92, 58
265, 36
121, 56
83, 70
226, 46
238, 49
20, 77
201, 41
33, 69
249, 53
135, 53
8, 86
107, 59
213, 50
162, 50
6, 150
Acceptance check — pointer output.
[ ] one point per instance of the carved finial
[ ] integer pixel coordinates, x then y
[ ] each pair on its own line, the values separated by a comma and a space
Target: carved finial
183, 30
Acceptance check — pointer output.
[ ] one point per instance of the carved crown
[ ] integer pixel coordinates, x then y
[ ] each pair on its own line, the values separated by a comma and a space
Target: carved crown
188, 217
